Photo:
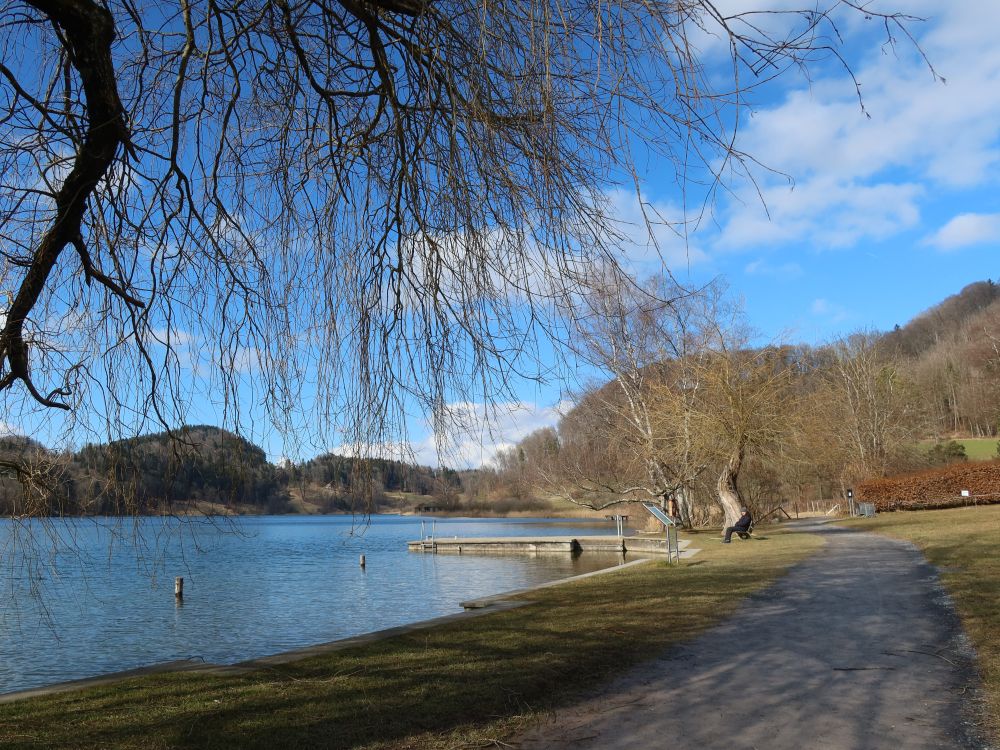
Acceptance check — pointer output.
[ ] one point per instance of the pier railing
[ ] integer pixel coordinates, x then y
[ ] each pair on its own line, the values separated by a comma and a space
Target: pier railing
427, 541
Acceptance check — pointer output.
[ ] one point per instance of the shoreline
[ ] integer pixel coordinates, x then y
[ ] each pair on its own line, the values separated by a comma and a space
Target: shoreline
472, 608
466, 683
594, 516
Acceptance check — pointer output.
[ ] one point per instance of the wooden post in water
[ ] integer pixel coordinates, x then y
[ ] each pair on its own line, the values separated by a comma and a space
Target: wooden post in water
178, 588
362, 561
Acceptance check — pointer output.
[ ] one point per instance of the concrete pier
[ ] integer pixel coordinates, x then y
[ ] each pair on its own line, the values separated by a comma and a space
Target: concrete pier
547, 545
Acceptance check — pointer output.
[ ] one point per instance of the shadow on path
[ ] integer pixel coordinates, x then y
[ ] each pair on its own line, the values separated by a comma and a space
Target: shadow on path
858, 647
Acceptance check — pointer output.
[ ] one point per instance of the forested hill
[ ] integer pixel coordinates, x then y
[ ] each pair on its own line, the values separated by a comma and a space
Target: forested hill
157, 473
165, 471
342, 480
196, 467
694, 414
959, 319
951, 355
944, 366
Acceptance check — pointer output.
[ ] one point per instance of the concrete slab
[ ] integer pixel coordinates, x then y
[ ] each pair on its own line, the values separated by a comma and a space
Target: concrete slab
544, 545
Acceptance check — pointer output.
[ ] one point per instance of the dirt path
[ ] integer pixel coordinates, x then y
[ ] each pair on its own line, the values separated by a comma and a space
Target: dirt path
856, 648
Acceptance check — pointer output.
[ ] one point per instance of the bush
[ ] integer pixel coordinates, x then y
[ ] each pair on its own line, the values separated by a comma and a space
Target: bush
947, 453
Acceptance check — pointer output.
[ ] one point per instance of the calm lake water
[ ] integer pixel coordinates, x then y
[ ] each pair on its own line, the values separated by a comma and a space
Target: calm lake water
260, 586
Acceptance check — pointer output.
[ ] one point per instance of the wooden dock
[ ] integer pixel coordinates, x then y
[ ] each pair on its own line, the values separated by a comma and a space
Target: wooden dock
548, 545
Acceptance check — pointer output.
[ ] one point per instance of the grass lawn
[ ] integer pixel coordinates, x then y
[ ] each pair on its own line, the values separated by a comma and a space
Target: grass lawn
963, 543
980, 449
463, 685
976, 449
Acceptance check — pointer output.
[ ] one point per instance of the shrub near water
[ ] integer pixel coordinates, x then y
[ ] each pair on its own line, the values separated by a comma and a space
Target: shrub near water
935, 488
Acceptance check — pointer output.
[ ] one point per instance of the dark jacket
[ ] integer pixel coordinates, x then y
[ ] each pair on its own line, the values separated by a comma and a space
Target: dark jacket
744, 523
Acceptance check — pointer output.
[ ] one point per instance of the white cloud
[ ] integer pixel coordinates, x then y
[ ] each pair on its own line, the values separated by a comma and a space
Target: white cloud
487, 430
859, 177
913, 120
175, 337
824, 212
966, 229
777, 271
652, 232
6, 430
834, 313
479, 432
778, 19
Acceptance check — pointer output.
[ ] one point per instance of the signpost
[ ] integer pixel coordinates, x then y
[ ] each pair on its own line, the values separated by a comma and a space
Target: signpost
673, 551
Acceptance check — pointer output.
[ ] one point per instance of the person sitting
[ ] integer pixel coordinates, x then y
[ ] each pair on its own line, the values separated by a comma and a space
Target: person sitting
741, 527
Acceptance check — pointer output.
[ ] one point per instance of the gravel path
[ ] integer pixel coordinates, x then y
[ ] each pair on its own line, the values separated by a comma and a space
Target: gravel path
858, 647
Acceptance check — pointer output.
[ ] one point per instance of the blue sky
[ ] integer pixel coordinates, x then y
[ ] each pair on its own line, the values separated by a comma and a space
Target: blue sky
887, 213
890, 208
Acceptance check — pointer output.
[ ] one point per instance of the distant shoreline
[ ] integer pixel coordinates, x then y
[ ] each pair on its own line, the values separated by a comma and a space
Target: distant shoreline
578, 515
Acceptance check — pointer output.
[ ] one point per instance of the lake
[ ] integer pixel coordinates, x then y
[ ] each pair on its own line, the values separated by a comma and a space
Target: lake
259, 586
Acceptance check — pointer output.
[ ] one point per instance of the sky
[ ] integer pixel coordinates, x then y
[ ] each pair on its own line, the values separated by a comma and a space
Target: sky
864, 213
893, 203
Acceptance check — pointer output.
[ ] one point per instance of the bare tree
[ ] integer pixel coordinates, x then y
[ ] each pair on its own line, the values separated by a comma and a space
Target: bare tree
685, 392
876, 405
615, 445
336, 210
743, 409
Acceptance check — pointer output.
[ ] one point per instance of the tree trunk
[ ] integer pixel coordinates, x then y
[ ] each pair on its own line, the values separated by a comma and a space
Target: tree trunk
684, 506
727, 489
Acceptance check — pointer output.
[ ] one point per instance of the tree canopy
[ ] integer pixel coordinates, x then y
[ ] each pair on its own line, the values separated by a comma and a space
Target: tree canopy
338, 211
706, 422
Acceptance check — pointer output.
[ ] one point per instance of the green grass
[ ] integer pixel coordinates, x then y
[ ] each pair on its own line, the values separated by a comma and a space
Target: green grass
980, 449
465, 684
976, 449
963, 543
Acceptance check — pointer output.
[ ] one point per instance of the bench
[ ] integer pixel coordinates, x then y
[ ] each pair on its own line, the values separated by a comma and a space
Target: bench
745, 534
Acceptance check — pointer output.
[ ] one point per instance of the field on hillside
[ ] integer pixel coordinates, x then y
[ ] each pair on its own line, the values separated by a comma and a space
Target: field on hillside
980, 449
977, 449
